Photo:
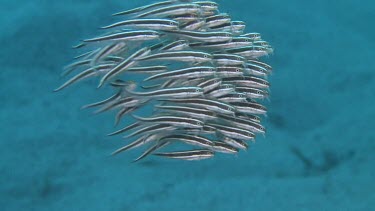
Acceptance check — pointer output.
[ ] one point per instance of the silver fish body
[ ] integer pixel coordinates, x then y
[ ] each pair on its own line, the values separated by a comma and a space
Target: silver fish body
156, 146
142, 35
151, 24
178, 45
199, 113
248, 81
122, 66
204, 36
146, 7
209, 104
137, 143
210, 84
180, 92
182, 56
250, 107
233, 97
191, 72
217, 20
174, 121
224, 147
187, 155
179, 9
222, 90
253, 93
236, 143
193, 25
228, 59
243, 123
207, 5
189, 139
234, 132
250, 52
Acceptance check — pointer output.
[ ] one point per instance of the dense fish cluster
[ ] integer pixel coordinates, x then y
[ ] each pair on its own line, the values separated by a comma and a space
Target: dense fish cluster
203, 82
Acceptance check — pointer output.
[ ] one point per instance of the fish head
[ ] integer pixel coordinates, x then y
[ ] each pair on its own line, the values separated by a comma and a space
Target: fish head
196, 123
197, 91
250, 134
230, 109
208, 153
155, 34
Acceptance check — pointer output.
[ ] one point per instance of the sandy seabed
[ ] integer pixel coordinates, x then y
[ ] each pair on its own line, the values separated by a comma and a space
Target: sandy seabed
317, 154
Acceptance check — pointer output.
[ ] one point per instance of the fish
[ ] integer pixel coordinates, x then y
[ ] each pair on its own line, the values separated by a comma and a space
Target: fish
90, 72
222, 90
235, 42
149, 129
173, 120
249, 107
190, 72
243, 123
227, 71
153, 24
137, 143
253, 93
250, 52
259, 63
71, 67
233, 97
122, 66
250, 117
205, 130
207, 5
141, 35
217, 20
180, 92
253, 36
236, 143
248, 81
146, 7
129, 127
257, 70
233, 132
156, 146
187, 155
148, 69
228, 59
182, 56
124, 111
128, 85
199, 113
223, 147
193, 25
179, 9
189, 139
103, 102
238, 27
210, 84
181, 72
178, 45
184, 18
209, 104
87, 54
203, 36
121, 103
106, 51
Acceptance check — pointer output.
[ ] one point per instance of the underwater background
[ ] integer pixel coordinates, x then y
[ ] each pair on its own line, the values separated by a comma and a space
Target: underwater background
318, 153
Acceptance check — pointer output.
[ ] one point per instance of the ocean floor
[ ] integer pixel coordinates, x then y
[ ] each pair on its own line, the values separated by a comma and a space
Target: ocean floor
317, 153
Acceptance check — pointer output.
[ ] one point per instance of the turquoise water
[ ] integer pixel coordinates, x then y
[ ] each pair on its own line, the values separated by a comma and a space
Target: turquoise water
316, 155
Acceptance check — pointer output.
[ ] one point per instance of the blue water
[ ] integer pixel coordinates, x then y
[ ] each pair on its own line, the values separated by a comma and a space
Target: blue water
318, 153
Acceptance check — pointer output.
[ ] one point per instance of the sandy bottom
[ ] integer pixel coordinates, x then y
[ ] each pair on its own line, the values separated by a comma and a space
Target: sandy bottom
317, 154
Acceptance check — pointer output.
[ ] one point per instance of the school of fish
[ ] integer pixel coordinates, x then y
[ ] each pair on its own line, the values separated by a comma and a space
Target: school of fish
203, 83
